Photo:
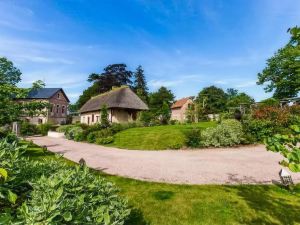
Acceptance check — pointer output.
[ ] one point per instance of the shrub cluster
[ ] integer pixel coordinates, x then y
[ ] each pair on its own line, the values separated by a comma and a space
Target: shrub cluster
96, 133
52, 192
227, 133
28, 129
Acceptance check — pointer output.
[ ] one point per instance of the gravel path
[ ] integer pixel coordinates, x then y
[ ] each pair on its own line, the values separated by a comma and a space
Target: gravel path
252, 164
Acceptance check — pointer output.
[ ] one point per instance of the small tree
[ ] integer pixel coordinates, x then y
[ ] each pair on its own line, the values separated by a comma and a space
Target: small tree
288, 147
104, 117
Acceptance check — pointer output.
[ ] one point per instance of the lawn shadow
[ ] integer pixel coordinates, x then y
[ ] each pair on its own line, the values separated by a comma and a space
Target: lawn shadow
163, 195
269, 208
136, 218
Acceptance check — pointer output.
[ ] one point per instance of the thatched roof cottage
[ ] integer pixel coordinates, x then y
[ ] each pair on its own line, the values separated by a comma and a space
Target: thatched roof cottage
122, 103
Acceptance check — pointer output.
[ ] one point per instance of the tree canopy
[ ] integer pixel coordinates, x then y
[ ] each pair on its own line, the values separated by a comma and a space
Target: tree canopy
211, 100
114, 75
140, 84
282, 73
236, 98
10, 109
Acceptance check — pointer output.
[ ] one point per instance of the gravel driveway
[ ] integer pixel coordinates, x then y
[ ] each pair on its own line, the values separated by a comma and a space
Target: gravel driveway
252, 164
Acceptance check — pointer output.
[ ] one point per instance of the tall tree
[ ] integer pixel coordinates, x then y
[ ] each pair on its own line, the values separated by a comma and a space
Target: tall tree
113, 75
10, 109
241, 99
282, 74
140, 84
211, 100
160, 103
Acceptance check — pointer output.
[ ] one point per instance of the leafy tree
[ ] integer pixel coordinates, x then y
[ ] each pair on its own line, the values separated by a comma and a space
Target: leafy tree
240, 99
211, 100
114, 75
104, 116
10, 109
140, 84
160, 103
38, 84
191, 113
269, 102
232, 92
282, 74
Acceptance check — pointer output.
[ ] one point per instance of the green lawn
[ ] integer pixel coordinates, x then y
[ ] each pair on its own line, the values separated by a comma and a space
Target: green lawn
156, 137
166, 204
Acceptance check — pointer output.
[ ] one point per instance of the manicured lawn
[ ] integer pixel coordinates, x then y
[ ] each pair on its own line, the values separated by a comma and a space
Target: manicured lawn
155, 138
167, 204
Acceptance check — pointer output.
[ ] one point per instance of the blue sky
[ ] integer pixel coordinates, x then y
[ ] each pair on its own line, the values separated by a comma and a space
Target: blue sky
182, 44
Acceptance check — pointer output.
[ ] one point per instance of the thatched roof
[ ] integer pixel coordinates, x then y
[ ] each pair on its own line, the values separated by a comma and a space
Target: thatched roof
122, 97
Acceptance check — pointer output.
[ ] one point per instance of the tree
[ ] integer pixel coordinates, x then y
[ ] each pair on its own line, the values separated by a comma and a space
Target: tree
10, 109
114, 75
282, 74
211, 100
104, 117
140, 84
160, 103
231, 92
241, 99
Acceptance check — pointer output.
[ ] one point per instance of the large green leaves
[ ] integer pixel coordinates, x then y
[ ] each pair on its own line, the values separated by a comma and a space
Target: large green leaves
288, 147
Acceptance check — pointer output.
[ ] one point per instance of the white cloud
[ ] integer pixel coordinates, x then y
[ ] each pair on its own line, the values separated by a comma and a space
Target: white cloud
166, 83
246, 84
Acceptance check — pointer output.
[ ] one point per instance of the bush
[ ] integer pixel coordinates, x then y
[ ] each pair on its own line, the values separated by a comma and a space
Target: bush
99, 134
104, 140
28, 129
227, 133
65, 128
279, 116
73, 132
257, 130
51, 192
44, 128
193, 137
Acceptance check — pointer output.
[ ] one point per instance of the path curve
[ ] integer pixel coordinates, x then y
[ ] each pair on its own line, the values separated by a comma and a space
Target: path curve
247, 165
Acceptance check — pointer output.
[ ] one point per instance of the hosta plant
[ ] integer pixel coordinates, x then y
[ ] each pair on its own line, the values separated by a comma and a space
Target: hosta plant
288, 147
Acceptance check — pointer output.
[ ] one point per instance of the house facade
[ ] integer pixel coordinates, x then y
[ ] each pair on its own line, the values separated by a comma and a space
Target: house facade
122, 105
179, 109
58, 100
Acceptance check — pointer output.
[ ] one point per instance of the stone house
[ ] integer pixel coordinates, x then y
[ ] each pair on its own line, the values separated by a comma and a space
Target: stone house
179, 109
58, 100
122, 103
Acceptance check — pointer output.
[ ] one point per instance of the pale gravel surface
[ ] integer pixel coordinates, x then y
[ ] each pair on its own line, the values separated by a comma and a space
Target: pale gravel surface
251, 164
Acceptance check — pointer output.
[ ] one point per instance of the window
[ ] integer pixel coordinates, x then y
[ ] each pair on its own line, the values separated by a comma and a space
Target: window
40, 121
58, 95
63, 109
97, 118
51, 108
57, 108
92, 118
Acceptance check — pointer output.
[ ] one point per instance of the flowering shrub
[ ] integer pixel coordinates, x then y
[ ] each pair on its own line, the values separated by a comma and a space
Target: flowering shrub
227, 133
279, 116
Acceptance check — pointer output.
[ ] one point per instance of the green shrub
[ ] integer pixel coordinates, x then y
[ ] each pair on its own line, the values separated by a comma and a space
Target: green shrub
73, 132
227, 133
104, 140
65, 128
99, 134
44, 128
51, 192
257, 130
28, 129
193, 137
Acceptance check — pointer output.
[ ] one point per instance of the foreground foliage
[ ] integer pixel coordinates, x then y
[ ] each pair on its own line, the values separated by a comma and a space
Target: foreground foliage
288, 146
53, 192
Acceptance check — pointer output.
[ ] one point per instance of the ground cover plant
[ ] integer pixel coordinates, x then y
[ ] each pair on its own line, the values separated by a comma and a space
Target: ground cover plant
168, 204
51, 191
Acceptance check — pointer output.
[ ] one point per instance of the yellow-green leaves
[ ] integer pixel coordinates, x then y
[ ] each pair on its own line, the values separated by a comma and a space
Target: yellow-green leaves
3, 174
